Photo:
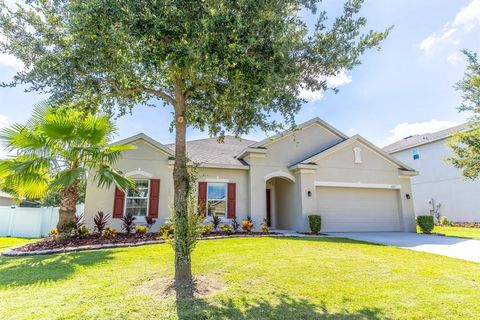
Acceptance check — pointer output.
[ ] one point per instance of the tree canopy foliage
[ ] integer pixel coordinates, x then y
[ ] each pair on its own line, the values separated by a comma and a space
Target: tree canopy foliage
237, 62
466, 145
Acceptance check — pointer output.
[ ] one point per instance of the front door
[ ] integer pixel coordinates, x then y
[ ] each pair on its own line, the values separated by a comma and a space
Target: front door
268, 214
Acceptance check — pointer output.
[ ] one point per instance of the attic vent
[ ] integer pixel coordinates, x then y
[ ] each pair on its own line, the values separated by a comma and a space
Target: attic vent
357, 154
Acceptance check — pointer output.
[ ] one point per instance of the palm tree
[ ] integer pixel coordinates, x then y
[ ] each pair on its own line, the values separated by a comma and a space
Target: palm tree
57, 149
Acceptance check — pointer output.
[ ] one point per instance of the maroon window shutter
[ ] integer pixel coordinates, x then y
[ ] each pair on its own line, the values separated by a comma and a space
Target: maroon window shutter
202, 198
154, 196
118, 203
232, 199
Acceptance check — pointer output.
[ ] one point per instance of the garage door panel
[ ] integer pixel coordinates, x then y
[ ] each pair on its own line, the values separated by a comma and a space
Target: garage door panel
358, 209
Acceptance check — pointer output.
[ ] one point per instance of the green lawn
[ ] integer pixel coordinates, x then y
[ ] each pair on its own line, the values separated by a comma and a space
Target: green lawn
472, 233
265, 278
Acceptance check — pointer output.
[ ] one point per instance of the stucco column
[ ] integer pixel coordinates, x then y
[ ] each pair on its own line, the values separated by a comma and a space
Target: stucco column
257, 196
305, 184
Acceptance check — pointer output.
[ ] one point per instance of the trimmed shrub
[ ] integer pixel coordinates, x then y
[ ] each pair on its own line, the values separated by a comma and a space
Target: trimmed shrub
247, 225
206, 229
140, 230
425, 223
444, 221
226, 229
53, 234
109, 232
82, 232
315, 222
166, 231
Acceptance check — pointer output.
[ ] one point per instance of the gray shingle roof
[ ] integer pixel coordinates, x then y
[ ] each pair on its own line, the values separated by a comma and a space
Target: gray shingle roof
209, 151
420, 139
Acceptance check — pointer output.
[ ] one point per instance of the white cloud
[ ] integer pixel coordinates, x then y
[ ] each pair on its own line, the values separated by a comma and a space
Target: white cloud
466, 19
406, 129
341, 79
453, 58
469, 17
431, 42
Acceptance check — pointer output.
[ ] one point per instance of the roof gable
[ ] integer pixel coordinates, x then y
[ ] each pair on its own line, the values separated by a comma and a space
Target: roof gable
150, 141
315, 121
421, 139
348, 142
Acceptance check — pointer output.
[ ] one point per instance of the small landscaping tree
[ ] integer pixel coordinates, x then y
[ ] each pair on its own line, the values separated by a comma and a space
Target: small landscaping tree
221, 65
56, 150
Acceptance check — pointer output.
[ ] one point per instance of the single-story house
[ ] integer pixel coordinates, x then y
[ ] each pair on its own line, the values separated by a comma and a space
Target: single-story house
439, 189
312, 169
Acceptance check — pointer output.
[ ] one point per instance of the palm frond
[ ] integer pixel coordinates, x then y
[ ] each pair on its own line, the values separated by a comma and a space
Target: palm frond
96, 129
68, 177
62, 124
105, 176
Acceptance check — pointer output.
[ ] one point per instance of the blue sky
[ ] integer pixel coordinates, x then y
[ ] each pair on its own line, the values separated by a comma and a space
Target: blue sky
405, 88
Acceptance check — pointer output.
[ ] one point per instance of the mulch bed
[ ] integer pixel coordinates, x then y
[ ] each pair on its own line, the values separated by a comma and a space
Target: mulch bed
464, 224
96, 241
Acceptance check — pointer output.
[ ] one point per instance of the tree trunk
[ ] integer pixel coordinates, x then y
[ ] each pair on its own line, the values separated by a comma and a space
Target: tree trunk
68, 201
183, 271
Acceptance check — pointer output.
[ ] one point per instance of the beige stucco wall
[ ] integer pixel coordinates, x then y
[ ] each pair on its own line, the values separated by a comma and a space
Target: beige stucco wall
146, 158
291, 204
149, 159
281, 153
374, 169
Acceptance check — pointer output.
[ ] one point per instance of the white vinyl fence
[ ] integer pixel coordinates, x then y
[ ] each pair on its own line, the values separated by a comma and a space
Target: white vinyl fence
29, 222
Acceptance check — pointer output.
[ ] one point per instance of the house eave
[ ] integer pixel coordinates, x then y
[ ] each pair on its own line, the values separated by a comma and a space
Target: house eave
171, 163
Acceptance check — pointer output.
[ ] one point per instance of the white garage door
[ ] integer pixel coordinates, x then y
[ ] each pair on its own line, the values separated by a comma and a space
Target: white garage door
358, 209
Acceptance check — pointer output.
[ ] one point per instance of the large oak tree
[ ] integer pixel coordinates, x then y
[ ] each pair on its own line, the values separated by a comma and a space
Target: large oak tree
223, 65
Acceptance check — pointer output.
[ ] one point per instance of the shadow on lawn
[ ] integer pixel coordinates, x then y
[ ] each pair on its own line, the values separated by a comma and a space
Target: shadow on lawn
41, 270
284, 308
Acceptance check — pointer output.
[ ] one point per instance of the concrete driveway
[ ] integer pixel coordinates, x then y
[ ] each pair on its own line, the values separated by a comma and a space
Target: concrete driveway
460, 248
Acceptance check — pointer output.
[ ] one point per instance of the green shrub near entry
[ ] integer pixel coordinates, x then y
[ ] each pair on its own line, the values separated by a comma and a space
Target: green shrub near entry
425, 223
315, 222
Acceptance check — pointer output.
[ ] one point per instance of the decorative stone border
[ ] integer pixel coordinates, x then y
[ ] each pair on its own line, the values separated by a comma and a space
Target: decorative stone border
13, 253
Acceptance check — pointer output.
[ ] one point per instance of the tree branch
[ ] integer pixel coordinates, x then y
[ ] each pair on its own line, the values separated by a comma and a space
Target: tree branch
128, 92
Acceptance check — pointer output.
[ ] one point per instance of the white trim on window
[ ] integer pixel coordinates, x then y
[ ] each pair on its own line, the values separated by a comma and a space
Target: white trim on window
224, 215
139, 172
146, 198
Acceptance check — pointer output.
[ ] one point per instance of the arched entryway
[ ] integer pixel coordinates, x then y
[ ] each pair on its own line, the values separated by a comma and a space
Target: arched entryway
279, 200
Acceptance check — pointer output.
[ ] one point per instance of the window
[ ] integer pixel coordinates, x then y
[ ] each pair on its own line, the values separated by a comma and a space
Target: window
217, 199
415, 154
136, 200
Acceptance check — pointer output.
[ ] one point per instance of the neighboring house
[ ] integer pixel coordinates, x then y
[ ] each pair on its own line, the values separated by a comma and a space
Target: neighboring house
5, 199
314, 169
439, 188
